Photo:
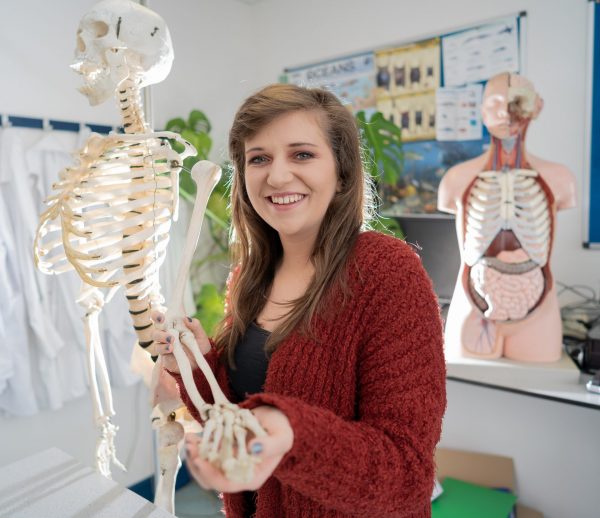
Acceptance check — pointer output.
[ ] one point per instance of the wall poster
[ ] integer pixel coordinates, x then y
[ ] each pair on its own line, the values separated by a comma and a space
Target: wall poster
432, 90
407, 78
352, 79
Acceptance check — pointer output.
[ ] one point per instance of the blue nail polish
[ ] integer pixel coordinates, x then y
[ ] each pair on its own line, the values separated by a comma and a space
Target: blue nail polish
159, 318
189, 319
256, 448
169, 339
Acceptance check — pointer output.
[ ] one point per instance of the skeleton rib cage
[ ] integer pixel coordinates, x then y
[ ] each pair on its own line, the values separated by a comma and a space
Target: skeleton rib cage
110, 215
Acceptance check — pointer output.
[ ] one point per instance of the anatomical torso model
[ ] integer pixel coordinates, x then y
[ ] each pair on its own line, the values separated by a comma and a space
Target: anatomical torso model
505, 201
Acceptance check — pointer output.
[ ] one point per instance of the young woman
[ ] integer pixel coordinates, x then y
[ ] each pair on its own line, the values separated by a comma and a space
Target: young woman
332, 334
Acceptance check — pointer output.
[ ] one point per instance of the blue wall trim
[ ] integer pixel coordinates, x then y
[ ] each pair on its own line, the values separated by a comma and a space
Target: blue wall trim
594, 201
35, 123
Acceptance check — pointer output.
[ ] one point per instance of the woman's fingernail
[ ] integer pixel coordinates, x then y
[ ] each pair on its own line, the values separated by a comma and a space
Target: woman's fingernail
189, 319
168, 349
159, 318
256, 448
169, 339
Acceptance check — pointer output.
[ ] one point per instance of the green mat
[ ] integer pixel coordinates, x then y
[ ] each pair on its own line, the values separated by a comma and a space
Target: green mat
464, 500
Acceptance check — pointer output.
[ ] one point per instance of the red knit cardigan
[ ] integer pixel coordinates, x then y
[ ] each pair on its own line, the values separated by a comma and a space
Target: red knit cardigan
365, 404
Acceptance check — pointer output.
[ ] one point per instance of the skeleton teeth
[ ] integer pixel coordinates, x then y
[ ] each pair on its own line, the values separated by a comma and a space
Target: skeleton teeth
284, 200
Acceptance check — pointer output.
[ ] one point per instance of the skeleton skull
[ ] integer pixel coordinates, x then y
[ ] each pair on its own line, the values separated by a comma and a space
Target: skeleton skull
117, 39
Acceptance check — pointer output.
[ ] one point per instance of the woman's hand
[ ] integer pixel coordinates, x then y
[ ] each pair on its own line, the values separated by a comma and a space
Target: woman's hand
270, 449
164, 341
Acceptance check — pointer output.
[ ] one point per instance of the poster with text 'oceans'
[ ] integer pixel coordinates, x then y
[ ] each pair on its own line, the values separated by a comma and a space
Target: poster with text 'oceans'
351, 79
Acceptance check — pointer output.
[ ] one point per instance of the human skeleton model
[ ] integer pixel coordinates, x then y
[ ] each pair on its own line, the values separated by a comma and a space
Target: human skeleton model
505, 301
109, 220
110, 214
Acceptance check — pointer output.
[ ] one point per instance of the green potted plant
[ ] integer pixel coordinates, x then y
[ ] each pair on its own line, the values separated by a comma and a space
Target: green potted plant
384, 157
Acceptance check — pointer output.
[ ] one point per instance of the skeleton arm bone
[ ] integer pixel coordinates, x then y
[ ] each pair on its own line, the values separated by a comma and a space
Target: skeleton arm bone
226, 425
206, 175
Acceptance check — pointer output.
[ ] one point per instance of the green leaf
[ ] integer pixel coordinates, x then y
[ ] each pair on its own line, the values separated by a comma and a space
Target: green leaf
219, 206
191, 137
176, 145
203, 145
383, 140
210, 303
186, 182
388, 226
199, 122
177, 125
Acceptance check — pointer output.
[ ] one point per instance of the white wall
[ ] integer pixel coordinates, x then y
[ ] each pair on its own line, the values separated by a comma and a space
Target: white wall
214, 65
37, 44
226, 49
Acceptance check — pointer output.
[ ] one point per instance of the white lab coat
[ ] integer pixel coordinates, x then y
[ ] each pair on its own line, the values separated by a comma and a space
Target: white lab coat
42, 345
37, 332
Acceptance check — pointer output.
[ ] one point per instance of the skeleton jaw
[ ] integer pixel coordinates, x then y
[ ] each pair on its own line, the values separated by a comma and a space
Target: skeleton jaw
102, 79
98, 85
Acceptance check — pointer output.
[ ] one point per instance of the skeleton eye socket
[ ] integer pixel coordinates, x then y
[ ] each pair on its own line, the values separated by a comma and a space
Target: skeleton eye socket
99, 29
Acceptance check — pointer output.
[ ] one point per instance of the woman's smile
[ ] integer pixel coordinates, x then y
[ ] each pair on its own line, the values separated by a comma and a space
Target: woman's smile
285, 201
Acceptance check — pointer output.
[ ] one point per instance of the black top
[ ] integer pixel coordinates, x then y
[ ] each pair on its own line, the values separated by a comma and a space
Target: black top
248, 378
251, 363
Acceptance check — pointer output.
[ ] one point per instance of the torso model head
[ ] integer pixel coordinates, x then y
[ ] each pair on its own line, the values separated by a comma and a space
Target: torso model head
117, 39
510, 103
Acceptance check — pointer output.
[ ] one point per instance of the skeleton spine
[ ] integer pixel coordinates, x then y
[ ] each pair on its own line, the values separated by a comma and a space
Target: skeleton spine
128, 97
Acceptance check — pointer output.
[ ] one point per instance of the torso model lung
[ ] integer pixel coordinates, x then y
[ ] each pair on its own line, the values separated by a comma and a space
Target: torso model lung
110, 213
505, 201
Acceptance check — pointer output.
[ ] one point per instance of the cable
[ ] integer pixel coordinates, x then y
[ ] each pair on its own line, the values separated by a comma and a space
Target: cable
575, 289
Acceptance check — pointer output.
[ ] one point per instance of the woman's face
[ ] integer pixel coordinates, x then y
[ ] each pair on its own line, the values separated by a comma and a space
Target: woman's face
291, 175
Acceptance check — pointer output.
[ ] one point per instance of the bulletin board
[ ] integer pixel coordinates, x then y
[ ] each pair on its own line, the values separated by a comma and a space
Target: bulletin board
591, 202
432, 90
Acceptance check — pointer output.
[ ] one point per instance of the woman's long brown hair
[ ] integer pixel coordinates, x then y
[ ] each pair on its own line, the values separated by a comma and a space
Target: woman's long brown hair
256, 248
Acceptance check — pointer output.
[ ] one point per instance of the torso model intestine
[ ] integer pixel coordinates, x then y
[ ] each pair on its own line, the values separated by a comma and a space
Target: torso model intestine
505, 201
110, 214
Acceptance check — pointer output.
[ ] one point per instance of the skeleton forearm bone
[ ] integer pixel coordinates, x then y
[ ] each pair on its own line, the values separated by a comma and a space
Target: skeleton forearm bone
206, 175
224, 435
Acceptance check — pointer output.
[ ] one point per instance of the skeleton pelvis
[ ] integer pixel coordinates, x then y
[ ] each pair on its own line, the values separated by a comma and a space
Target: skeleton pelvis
507, 287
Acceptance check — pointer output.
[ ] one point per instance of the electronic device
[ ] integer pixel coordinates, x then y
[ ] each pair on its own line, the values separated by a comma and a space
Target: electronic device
434, 239
594, 384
